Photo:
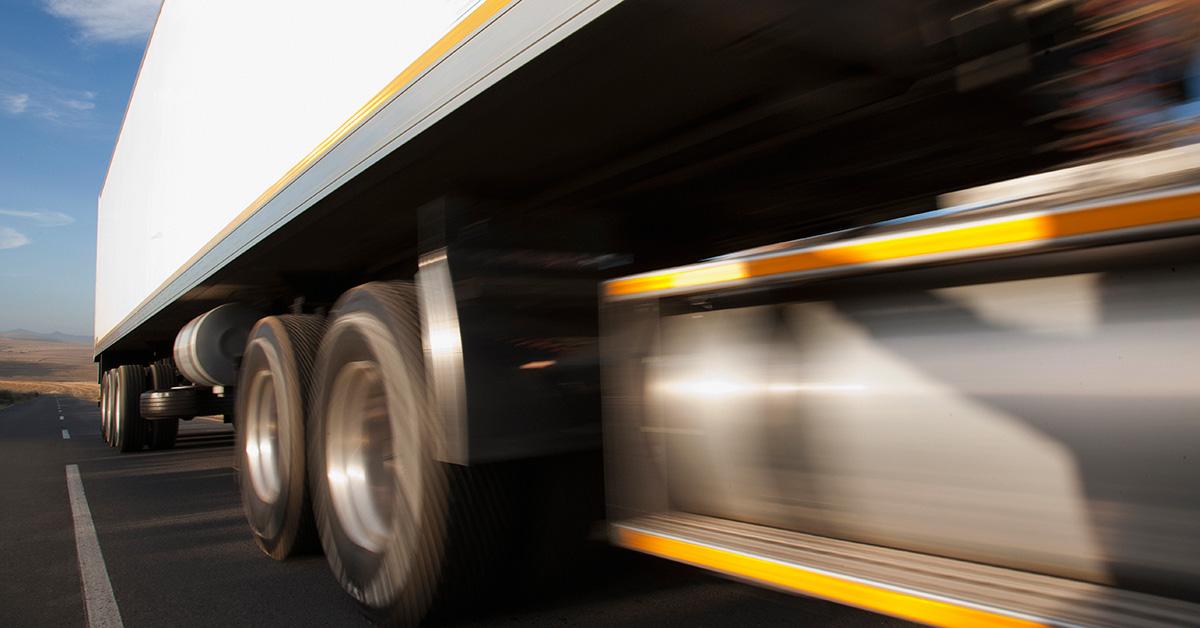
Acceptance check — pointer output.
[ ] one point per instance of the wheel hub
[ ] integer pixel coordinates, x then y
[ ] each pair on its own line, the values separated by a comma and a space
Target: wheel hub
264, 450
362, 465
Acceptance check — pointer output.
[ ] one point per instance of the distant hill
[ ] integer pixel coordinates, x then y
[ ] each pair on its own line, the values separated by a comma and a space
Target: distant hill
57, 336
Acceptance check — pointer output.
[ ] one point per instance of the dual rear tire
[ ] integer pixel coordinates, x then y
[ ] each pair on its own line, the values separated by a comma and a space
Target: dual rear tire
337, 437
270, 420
379, 495
127, 428
122, 423
106, 399
161, 433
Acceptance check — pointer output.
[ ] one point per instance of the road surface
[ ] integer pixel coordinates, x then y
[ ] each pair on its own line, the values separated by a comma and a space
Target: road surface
167, 546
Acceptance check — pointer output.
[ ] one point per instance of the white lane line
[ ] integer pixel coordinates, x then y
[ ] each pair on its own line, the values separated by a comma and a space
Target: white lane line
98, 598
60, 417
66, 435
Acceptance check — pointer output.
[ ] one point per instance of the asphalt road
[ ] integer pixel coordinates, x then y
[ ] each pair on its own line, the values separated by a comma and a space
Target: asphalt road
177, 551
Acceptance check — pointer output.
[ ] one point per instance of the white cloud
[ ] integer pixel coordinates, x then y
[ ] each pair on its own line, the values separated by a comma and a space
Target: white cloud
41, 218
32, 90
79, 105
115, 21
16, 103
11, 238
40, 99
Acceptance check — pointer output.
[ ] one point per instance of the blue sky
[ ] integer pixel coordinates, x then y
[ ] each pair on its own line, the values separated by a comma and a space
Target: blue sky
66, 70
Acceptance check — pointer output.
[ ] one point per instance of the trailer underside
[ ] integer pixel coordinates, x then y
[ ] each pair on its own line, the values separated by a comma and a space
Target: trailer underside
737, 126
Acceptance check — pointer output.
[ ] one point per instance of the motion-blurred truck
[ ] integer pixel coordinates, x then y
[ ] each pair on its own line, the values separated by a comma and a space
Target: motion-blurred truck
926, 341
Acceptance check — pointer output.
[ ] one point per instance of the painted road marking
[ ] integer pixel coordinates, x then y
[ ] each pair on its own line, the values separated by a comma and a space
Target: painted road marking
60, 417
66, 435
98, 598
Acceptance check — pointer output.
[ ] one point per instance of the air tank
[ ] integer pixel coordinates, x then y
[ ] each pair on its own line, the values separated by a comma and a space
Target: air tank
209, 348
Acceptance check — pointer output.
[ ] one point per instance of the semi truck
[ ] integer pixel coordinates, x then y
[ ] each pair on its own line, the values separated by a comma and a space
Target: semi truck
891, 303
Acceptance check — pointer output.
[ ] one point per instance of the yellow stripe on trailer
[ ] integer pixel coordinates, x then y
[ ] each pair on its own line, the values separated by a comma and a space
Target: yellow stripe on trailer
934, 612
1023, 229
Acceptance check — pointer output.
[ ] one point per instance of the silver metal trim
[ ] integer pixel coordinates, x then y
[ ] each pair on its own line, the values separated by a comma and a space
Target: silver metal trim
1094, 180
441, 339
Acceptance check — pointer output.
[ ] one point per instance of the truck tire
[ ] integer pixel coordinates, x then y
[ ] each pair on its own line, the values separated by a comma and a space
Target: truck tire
270, 422
161, 433
110, 408
181, 402
130, 427
402, 532
163, 375
104, 406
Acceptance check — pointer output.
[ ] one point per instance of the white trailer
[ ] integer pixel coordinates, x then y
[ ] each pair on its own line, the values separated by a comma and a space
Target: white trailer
243, 116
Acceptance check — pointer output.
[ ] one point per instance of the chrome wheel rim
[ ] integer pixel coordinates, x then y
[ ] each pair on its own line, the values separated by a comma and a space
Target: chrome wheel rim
110, 423
110, 406
105, 398
116, 420
373, 445
265, 450
362, 463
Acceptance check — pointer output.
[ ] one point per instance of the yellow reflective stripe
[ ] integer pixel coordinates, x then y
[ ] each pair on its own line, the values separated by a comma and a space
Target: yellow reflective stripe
1023, 229
696, 276
472, 21
844, 591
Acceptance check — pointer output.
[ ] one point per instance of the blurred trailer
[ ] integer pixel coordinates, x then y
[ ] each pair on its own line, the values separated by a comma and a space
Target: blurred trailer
984, 416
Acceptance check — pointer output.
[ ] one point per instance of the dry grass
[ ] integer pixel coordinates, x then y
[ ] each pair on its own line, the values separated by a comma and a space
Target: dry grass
42, 367
45, 361
23, 389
